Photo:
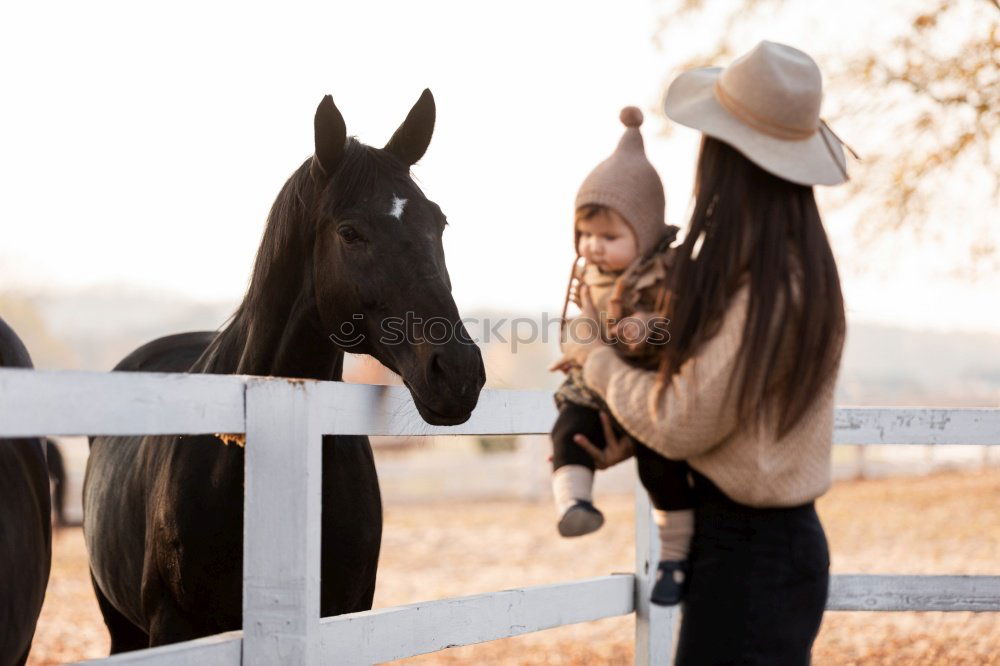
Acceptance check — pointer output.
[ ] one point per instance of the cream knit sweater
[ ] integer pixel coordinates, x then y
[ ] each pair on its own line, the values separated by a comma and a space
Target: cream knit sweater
693, 421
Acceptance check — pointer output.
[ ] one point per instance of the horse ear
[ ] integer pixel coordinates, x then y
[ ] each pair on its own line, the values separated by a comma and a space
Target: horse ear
410, 141
331, 135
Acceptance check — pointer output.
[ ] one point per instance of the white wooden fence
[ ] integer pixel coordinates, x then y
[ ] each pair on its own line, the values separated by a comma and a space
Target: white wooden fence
284, 421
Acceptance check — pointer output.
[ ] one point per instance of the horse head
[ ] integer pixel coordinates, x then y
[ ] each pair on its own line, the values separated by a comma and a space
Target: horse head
381, 283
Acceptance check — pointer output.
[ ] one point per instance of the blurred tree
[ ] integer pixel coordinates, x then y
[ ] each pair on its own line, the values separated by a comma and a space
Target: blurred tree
933, 82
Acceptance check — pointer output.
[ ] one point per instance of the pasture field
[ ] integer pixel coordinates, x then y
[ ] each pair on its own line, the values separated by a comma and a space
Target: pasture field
948, 522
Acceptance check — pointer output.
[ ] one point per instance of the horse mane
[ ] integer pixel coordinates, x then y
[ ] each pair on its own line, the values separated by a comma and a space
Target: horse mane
249, 340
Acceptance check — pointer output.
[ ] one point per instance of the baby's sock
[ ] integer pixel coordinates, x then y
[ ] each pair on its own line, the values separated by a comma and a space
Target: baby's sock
571, 483
676, 530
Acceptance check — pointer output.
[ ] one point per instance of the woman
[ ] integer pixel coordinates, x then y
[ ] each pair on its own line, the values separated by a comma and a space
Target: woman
745, 389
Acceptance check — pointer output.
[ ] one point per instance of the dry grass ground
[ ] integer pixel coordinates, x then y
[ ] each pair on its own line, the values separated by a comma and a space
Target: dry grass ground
946, 523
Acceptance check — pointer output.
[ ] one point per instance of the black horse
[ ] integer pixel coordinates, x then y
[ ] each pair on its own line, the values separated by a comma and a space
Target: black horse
350, 242
25, 526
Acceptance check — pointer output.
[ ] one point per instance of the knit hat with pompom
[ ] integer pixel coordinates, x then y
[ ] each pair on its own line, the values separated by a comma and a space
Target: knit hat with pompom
629, 184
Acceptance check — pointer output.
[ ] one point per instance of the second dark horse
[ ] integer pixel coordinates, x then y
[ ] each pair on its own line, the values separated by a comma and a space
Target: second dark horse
350, 242
25, 528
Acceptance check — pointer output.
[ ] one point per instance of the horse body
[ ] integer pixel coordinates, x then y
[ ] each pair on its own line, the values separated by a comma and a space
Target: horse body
163, 515
25, 526
167, 563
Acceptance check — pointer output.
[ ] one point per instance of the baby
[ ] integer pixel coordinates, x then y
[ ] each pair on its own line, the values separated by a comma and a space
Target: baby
623, 255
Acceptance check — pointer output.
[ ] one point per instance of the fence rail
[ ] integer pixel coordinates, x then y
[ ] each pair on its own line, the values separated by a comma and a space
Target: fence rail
284, 421
856, 592
404, 631
916, 425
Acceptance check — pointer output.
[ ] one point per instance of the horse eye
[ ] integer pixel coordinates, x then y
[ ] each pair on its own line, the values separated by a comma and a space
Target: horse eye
349, 234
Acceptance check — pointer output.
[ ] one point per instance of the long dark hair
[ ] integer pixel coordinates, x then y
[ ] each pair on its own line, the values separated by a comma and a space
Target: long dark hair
751, 225
252, 338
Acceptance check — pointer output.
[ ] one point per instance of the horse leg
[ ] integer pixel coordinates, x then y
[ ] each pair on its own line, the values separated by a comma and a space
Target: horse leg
168, 625
366, 599
351, 526
167, 622
125, 636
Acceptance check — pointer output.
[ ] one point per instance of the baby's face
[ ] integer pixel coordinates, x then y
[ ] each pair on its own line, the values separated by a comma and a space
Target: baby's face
607, 241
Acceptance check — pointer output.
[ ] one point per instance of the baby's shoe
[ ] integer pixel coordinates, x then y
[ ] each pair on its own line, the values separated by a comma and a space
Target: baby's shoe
671, 582
581, 518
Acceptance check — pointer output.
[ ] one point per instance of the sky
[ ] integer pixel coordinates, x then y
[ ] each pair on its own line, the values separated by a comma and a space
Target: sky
142, 145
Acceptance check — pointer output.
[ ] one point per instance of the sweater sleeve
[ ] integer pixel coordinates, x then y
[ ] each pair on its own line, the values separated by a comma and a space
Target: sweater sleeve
692, 413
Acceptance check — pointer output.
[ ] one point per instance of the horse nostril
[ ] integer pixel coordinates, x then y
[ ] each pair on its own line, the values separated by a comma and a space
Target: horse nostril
463, 381
436, 365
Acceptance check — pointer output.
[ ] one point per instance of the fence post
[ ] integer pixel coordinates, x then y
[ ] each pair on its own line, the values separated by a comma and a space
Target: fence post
281, 530
653, 624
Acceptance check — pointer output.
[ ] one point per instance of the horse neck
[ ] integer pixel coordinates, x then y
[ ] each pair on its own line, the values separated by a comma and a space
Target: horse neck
280, 339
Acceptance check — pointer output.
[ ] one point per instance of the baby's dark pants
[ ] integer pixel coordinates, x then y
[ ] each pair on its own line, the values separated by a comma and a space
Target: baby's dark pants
666, 480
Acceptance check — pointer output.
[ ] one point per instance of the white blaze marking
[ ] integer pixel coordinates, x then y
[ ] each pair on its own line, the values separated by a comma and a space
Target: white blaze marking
397, 207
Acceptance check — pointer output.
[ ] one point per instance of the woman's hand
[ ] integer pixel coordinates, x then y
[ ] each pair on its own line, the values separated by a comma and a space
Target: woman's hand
563, 365
632, 331
616, 450
587, 328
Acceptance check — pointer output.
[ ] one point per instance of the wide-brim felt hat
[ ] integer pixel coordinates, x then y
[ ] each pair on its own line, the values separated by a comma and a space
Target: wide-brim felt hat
765, 104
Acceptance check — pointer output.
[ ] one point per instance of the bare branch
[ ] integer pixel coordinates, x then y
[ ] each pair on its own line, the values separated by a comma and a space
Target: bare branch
944, 110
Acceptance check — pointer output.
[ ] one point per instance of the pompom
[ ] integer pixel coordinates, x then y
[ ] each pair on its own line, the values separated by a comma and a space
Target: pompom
631, 116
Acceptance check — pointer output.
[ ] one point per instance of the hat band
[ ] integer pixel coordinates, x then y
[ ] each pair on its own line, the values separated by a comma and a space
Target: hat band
758, 122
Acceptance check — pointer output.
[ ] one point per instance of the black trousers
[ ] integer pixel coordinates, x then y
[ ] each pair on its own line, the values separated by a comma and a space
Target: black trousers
665, 479
758, 584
